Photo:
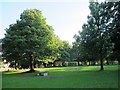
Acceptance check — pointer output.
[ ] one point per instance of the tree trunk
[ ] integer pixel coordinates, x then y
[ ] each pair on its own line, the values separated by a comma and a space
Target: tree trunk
112, 62
45, 65
15, 65
78, 63
93, 62
89, 63
118, 62
101, 63
107, 62
31, 64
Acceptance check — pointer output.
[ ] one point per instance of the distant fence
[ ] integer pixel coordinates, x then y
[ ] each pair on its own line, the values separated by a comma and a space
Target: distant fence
71, 63
65, 63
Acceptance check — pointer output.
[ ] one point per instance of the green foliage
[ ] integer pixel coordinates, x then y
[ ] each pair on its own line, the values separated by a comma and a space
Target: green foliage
30, 38
115, 31
94, 42
64, 50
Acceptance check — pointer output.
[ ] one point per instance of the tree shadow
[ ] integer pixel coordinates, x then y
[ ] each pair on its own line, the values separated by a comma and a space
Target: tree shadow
18, 73
28, 72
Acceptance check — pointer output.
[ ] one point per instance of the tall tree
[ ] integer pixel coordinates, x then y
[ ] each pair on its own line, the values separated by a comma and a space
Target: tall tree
95, 39
76, 51
115, 30
28, 39
64, 51
98, 20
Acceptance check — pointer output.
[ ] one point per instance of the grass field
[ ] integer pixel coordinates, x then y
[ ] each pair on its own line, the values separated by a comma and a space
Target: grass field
64, 77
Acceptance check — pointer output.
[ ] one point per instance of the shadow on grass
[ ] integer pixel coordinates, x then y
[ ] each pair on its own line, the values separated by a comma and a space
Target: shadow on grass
17, 72
28, 72
36, 71
79, 69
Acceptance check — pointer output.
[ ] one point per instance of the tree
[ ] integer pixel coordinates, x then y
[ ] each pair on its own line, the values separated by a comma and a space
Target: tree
28, 39
64, 50
95, 39
100, 17
76, 53
115, 30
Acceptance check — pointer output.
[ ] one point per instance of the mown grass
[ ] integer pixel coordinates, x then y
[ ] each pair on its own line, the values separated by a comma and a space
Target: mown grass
64, 77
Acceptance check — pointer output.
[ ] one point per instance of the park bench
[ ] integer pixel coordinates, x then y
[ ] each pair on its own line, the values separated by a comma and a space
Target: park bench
42, 73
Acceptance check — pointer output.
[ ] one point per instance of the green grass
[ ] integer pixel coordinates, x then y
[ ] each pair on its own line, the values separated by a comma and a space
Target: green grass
64, 77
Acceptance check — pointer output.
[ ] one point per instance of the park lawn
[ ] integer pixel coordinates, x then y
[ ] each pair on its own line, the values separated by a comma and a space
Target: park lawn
64, 77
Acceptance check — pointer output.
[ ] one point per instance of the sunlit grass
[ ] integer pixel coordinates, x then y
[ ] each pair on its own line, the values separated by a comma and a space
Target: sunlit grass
80, 68
64, 77
65, 69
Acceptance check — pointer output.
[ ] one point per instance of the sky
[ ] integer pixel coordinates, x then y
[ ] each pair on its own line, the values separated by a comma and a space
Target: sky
66, 17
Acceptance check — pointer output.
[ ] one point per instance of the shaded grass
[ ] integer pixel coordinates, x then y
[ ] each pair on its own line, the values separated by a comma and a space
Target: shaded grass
64, 77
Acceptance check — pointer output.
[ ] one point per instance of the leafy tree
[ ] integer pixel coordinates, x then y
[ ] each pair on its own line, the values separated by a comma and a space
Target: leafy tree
75, 52
64, 50
100, 38
94, 40
30, 38
115, 31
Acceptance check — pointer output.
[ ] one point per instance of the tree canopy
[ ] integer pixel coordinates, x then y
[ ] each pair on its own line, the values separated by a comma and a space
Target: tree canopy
94, 41
29, 39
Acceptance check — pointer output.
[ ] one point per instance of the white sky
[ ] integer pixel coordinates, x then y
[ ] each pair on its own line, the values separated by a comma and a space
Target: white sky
66, 16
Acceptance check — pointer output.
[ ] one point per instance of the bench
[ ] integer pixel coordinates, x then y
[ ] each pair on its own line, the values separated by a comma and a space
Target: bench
42, 73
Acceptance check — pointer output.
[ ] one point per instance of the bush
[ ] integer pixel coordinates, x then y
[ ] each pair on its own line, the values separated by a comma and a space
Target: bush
58, 63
